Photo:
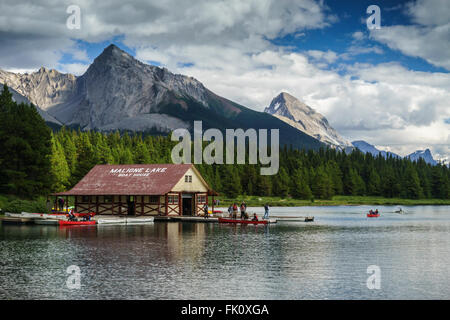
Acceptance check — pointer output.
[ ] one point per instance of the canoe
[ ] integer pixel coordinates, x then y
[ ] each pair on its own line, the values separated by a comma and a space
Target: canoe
225, 220
215, 211
374, 215
139, 220
112, 221
76, 223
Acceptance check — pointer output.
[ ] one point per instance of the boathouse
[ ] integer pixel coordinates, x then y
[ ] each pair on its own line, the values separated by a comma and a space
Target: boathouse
141, 189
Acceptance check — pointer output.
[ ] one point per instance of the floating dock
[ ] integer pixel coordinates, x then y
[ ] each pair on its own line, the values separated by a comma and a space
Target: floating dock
294, 218
194, 219
46, 219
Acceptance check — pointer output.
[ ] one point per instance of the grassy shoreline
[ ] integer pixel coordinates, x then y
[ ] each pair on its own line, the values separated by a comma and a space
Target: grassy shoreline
255, 201
15, 204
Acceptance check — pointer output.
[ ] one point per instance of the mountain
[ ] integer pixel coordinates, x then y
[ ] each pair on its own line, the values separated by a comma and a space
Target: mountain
424, 154
300, 116
118, 92
368, 148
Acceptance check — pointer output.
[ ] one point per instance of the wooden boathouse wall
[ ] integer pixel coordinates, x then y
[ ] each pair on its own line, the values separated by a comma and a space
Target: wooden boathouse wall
181, 184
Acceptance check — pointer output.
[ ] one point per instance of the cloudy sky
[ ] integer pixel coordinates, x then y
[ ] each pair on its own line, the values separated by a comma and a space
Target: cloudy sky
388, 86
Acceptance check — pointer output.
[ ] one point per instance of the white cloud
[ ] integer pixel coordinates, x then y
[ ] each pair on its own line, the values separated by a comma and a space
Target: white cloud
74, 68
384, 104
327, 56
429, 38
358, 36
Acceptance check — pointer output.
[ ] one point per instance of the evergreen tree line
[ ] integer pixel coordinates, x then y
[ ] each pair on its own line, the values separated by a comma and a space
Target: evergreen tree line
302, 174
34, 160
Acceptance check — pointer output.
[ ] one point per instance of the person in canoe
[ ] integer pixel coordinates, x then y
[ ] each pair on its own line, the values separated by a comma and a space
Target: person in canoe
376, 211
255, 217
266, 211
71, 216
205, 210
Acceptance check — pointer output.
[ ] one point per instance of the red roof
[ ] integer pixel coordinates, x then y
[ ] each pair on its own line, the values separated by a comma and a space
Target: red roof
133, 179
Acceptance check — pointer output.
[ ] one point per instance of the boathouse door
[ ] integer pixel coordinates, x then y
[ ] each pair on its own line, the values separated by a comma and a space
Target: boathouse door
131, 206
187, 206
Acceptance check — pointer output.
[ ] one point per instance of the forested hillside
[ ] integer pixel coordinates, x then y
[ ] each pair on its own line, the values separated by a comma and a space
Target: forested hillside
35, 161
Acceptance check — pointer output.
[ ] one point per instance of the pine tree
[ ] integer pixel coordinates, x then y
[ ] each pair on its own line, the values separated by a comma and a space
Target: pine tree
59, 169
413, 190
281, 183
301, 188
373, 183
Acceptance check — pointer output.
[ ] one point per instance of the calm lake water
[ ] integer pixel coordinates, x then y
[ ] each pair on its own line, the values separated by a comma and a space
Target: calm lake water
326, 259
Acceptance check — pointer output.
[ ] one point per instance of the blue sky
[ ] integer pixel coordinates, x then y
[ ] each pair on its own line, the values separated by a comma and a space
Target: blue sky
350, 18
389, 87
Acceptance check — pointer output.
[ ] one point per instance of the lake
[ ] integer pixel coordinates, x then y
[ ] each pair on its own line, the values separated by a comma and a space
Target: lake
325, 259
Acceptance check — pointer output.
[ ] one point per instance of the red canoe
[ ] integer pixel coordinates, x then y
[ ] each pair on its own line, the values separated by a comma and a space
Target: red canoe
374, 215
76, 223
225, 220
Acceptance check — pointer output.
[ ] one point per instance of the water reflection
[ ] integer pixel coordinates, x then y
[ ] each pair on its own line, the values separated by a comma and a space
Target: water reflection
326, 259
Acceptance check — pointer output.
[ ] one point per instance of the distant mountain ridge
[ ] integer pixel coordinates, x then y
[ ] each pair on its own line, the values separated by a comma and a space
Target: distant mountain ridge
424, 154
297, 114
368, 148
118, 92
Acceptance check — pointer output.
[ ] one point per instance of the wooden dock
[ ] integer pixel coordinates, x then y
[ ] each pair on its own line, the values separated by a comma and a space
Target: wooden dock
16, 220
294, 218
186, 219
194, 219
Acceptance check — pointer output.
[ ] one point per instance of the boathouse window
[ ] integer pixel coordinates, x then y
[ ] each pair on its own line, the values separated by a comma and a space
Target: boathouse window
173, 199
84, 199
108, 199
187, 178
153, 199
201, 199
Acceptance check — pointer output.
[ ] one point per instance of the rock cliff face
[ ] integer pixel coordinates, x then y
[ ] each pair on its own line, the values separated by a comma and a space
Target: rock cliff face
299, 115
116, 92
424, 154
44, 88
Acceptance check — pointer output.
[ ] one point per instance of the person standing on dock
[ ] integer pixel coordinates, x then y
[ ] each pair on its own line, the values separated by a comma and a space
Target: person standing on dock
235, 209
205, 210
230, 210
243, 208
266, 211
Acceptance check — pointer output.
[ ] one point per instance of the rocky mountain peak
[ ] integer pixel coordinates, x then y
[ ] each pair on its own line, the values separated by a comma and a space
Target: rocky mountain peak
422, 154
112, 61
299, 115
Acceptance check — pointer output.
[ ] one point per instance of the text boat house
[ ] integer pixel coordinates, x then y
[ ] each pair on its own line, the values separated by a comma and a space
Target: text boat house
141, 189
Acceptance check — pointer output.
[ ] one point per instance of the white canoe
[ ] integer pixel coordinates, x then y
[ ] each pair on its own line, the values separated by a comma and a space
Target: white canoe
139, 220
111, 221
